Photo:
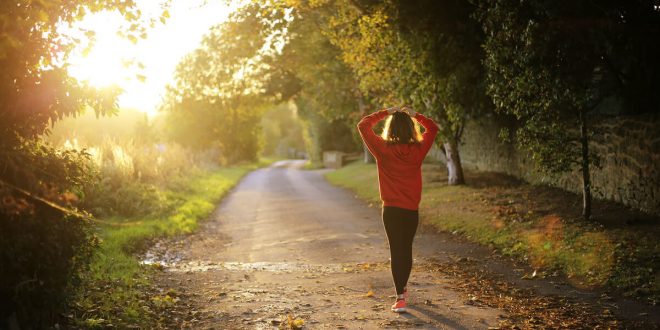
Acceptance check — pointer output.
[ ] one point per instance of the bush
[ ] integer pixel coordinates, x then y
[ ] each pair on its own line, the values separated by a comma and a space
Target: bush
41, 253
128, 177
130, 199
42, 247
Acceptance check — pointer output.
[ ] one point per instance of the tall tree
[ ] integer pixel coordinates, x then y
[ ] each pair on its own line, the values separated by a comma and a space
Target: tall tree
327, 96
552, 65
215, 100
42, 246
35, 88
282, 56
425, 53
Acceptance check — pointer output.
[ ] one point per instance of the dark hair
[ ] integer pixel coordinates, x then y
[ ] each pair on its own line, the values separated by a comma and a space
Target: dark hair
400, 128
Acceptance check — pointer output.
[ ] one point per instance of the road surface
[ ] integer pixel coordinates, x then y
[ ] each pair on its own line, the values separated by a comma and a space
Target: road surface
285, 243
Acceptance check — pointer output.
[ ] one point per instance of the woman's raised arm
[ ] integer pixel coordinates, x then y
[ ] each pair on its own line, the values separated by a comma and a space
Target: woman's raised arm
430, 132
366, 128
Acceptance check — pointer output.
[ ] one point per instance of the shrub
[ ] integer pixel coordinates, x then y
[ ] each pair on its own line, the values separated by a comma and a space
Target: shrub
41, 256
42, 247
128, 175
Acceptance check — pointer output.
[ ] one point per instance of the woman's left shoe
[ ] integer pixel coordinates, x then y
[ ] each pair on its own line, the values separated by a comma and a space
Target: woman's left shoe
399, 306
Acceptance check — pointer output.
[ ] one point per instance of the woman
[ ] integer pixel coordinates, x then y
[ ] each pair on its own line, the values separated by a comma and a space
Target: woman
399, 154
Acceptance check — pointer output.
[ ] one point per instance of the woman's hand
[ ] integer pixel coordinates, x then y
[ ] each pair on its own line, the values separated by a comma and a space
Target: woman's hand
392, 110
409, 111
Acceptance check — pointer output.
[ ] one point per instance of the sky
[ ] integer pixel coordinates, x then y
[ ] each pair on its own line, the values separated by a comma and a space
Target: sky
160, 52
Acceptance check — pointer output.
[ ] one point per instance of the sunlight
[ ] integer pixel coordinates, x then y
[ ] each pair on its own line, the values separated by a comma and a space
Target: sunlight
144, 68
102, 65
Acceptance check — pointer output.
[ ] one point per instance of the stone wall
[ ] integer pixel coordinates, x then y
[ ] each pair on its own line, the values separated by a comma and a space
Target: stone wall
629, 148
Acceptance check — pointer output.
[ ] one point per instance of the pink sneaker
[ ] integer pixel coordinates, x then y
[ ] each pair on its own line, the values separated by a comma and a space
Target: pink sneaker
399, 306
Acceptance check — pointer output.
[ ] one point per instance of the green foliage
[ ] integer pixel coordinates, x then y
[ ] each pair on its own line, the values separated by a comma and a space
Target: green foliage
35, 86
106, 198
43, 247
548, 62
327, 98
127, 163
200, 125
55, 171
282, 132
553, 65
425, 53
326, 83
215, 101
127, 177
89, 130
533, 83
42, 253
266, 53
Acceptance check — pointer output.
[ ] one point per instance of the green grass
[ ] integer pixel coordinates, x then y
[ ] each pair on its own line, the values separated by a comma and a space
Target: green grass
115, 291
589, 254
310, 165
359, 177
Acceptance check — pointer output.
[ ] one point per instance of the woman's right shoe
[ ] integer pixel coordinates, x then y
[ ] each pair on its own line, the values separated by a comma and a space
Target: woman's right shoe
399, 306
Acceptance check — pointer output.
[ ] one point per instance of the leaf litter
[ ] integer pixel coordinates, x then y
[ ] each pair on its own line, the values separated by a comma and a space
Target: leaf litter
524, 308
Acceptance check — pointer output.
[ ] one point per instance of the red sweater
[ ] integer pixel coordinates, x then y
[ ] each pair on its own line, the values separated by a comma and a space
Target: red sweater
399, 165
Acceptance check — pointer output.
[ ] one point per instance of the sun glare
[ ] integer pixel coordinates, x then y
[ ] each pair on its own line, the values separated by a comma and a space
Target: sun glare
142, 69
102, 65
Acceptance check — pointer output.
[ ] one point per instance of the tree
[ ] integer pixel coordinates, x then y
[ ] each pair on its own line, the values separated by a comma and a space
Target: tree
425, 53
43, 243
282, 132
216, 98
281, 55
327, 96
35, 88
551, 65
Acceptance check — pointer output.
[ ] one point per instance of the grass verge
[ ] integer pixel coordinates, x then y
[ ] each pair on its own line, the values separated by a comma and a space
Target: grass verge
116, 291
310, 165
538, 225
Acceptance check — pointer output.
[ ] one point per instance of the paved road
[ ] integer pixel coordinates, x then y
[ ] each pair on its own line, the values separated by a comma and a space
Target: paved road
285, 242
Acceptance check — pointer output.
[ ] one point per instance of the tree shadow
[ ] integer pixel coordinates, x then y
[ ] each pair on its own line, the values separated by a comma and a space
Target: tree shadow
436, 317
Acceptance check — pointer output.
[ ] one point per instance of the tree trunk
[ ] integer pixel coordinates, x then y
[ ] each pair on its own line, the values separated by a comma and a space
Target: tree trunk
454, 167
586, 176
368, 157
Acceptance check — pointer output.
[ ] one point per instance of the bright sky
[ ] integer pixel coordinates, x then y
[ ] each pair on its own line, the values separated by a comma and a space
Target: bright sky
160, 52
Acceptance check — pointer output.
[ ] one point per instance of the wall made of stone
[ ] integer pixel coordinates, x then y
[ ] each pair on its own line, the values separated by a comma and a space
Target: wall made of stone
628, 146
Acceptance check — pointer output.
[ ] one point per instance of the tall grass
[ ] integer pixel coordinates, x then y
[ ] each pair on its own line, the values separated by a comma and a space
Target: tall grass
131, 178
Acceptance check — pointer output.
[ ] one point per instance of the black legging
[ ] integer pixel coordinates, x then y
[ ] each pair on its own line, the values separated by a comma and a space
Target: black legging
400, 227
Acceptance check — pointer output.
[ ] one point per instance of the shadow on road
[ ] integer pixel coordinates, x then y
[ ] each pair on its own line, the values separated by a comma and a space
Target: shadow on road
428, 314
